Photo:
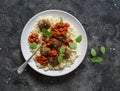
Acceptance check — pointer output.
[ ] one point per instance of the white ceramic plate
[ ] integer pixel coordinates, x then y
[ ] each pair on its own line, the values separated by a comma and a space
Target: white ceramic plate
82, 46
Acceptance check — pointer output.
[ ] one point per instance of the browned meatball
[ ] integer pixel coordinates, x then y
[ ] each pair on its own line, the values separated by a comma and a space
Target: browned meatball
53, 61
44, 24
44, 50
67, 53
55, 44
62, 38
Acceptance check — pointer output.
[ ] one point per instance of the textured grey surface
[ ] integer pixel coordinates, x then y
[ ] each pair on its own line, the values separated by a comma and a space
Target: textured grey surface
101, 20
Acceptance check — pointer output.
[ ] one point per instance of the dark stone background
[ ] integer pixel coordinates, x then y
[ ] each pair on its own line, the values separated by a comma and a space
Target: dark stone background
101, 20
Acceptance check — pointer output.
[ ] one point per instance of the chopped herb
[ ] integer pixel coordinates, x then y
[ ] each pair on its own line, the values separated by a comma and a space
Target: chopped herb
62, 50
102, 49
72, 45
93, 52
33, 45
79, 38
46, 33
61, 20
97, 59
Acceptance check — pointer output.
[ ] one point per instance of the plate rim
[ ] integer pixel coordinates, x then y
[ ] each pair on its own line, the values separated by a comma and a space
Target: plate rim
55, 10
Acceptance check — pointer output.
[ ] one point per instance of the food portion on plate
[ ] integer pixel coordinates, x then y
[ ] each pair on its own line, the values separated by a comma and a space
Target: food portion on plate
59, 43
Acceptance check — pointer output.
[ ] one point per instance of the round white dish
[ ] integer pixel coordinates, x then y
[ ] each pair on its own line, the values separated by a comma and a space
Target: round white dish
81, 49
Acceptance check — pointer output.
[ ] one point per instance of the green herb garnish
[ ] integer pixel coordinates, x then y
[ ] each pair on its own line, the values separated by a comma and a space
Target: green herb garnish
93, 52
79, 38
96, 59
47, 33
60, 58
62, 50
61, 54
102, 49
72, 45
33, 45
61, 20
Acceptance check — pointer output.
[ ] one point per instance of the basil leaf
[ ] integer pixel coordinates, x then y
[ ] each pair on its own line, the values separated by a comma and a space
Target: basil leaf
47, 38
50, 33
102, 49
61, 20
44, 29
47, 33
72, 45
97, 59
79, 38
33, 45
60, 58
93, 52
62, 49
61, 54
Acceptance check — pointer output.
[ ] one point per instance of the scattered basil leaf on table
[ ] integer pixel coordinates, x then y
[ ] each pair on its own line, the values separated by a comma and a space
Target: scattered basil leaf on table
102, 49
93, 52
79, 38
72, 45
96, 59
33, 45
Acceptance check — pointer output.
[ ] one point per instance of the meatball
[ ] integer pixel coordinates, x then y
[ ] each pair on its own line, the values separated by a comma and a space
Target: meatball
62, 38
44, 24
55, 44
44, 50
67, 53
53, 61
